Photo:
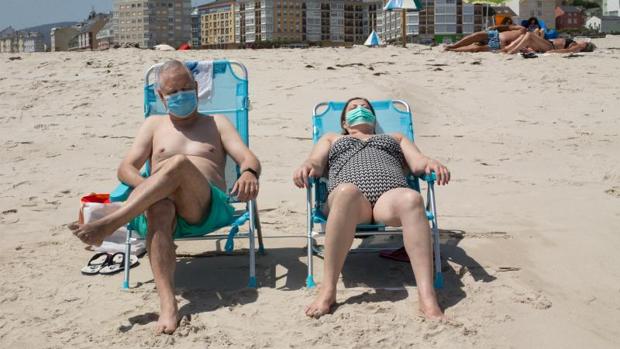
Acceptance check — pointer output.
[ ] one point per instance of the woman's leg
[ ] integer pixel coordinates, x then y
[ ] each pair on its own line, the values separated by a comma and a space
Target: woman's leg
534, 42
468, 40
405, 207
514, 44
347, 208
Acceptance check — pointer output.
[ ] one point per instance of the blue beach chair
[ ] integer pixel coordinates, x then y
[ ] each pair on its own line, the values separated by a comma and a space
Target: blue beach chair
229, 96
390, 119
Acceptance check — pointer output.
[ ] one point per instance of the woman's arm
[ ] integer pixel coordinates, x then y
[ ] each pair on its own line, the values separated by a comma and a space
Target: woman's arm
420, 164
315, 164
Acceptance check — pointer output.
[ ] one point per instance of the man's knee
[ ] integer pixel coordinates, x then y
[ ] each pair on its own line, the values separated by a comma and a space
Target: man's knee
347, 191
162, 212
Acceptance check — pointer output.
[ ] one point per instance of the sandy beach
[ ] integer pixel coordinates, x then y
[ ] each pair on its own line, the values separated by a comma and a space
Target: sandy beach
530, 222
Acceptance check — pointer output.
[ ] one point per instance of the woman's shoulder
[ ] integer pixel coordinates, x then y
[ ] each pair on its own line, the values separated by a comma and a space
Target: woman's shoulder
397, 136
331, 137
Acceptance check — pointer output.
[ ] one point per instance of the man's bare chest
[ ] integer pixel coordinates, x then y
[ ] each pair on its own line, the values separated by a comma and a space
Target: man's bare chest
199, 142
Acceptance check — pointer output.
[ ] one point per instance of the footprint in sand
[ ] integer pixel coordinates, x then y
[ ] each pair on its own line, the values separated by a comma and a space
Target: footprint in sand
614, 191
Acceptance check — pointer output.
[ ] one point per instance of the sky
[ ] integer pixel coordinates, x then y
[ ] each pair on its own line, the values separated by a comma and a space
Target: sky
28, 13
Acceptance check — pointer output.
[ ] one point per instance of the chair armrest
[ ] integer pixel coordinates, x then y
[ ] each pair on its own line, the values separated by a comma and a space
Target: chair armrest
121, 193
429, 177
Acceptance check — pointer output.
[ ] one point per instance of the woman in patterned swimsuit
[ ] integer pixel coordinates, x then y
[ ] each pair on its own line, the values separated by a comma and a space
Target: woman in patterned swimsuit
367, 183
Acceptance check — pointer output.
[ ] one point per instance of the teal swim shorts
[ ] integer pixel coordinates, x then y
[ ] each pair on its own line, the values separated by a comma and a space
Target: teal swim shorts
220, 215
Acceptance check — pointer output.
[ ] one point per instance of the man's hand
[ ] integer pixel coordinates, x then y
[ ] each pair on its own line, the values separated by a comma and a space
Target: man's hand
246, 187
443, 175
305, 171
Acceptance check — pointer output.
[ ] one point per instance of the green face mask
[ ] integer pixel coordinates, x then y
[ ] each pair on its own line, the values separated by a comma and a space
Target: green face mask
360, 115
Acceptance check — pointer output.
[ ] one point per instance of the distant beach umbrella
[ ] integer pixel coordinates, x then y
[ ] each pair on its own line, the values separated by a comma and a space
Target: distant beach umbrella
373, 40
164, 47
487, 3
403, 6
408, 5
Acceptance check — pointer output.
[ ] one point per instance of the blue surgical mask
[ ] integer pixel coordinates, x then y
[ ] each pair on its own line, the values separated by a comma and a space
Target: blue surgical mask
182, 104
360, 115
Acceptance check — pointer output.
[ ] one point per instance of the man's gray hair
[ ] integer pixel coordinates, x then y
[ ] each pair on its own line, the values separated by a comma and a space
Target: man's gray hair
170, 66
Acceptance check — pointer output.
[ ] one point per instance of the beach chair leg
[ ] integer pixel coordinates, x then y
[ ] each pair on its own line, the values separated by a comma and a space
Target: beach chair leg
251, 206
310, 277
259, 231
439, 282
127, 259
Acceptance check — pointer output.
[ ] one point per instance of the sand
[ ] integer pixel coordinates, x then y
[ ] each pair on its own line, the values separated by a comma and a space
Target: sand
530, 221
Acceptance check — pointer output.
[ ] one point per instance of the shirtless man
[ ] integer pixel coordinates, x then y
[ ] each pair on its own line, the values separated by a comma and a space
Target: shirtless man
494, 39
184, 195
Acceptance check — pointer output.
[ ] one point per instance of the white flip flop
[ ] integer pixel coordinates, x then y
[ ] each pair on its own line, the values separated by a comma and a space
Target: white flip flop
117, 264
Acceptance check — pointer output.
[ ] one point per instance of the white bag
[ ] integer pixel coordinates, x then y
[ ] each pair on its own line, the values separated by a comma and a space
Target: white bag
96, 206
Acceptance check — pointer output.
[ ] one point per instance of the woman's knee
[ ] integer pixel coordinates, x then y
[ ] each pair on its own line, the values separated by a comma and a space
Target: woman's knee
411, 200
347, 191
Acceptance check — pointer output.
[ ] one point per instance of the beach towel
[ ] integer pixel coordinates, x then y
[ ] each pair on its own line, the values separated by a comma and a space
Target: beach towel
203, 74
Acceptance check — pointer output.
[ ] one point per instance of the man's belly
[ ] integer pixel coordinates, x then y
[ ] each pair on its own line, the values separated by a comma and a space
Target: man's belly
207, 167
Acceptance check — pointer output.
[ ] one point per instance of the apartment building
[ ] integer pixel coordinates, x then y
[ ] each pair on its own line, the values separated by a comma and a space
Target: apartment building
438, 21
147, 23
60, 38
34, 42
542, 9
217, 24
86, 39
12, 41
309, 21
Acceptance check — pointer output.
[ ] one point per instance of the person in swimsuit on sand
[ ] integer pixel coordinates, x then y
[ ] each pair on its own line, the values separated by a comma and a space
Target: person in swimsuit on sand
535, 42
494, 39
185, 194
367, 183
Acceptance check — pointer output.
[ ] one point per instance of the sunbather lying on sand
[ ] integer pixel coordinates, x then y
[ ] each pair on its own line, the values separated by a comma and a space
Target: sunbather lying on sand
185, 194
534, 41
367, 183
494, 39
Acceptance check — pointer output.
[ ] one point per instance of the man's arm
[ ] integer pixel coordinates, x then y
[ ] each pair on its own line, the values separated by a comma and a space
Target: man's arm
246, 187
129, 169
420, 164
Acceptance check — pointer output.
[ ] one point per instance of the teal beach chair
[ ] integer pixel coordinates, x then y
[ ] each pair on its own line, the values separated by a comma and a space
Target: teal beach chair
390, 119
229, 96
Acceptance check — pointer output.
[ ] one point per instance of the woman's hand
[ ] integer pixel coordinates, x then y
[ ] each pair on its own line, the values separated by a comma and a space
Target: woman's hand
305, 171
441, 171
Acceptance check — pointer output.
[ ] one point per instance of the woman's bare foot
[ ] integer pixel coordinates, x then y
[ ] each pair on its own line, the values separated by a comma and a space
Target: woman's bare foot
168, 319
322, 304
92, 233
430, 309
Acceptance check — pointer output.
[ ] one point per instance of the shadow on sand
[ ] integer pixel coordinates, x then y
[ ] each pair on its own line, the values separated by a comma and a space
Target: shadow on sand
389, 278
213, 280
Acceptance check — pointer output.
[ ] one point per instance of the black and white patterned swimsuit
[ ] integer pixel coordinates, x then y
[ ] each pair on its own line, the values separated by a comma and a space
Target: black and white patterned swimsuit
374, 165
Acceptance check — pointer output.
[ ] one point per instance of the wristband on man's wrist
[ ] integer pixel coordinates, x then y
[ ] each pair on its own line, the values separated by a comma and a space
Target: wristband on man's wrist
252, 171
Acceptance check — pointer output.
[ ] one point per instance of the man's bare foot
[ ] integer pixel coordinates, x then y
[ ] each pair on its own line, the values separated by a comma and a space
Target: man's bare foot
168, 320
322, 304
91, 233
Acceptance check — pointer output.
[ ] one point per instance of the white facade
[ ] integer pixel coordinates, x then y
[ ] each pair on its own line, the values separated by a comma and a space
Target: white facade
389, 24
611, 7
